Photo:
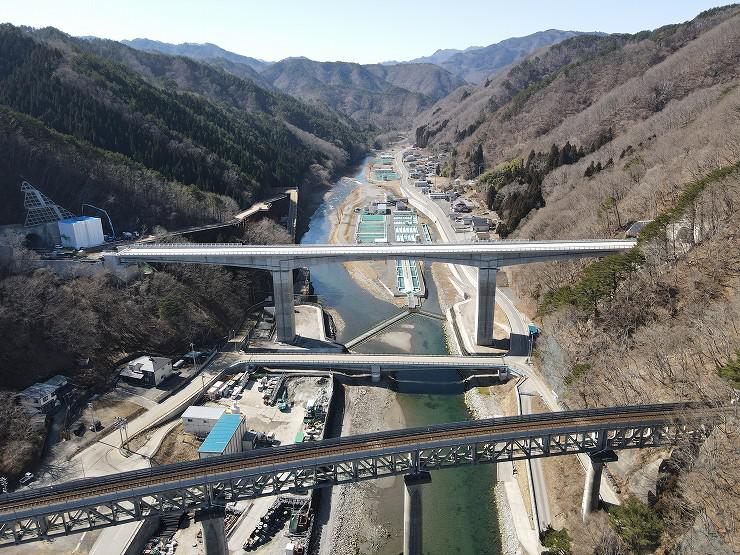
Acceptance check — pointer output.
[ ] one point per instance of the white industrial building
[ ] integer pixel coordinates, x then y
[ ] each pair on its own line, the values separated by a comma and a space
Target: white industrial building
81, 232
199, 421
225, 438
148, 371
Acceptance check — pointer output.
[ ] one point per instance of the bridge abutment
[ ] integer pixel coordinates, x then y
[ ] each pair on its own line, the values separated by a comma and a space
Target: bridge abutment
282, 283
486, 306
412, 512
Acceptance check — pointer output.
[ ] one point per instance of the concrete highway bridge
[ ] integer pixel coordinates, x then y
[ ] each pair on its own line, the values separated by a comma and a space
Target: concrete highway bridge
91, 503
280, 260
375, 363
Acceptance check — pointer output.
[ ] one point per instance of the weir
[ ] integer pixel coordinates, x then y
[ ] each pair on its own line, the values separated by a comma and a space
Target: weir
385, 324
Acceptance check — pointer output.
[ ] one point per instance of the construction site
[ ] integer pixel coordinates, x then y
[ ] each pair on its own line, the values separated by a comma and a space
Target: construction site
245, 411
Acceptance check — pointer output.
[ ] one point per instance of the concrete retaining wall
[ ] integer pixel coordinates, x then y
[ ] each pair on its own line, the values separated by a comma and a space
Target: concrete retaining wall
146, 530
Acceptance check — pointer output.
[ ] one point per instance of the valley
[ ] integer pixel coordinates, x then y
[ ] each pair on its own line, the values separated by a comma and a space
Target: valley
549, 223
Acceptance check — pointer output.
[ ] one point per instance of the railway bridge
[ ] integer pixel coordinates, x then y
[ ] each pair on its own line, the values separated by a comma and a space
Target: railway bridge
98, 502
281, 260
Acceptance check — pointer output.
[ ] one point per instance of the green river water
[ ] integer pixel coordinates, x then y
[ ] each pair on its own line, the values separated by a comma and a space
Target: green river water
459, 514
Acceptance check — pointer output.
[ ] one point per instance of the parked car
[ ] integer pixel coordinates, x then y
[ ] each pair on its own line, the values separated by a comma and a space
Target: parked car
27, 478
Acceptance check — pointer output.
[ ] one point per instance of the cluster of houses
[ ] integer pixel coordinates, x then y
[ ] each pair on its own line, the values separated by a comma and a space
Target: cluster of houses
421, 167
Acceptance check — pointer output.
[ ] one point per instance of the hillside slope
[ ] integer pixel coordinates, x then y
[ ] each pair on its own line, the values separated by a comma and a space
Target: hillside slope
579, 142
474, 65
185, 121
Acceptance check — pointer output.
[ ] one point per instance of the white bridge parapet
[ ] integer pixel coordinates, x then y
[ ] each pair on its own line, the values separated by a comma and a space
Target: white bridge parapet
281, 259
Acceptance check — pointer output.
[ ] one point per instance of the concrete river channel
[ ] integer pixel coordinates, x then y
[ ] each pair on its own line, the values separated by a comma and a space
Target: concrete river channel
459, 513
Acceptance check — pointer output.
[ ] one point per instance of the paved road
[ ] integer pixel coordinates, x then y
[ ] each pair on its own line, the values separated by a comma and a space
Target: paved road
539, 485
518, 323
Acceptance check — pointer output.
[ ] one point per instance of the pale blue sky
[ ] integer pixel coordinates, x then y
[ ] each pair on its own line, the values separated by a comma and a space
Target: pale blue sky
347, 30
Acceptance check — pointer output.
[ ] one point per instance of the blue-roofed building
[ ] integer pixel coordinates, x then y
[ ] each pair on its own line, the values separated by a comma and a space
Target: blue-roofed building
225, 438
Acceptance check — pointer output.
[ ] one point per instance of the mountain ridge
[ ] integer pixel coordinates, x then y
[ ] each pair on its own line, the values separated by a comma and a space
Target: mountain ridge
199, 51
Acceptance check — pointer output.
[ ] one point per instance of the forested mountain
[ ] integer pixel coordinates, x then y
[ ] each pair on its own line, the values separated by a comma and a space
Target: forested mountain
476, 64
206, 52
580, 141
187, 123
386, 96
584, 91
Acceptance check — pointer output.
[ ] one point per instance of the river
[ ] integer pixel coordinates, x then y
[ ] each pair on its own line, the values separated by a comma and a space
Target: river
459, 513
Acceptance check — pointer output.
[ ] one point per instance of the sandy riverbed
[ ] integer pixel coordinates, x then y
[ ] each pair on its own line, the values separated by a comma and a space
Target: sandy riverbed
366, 274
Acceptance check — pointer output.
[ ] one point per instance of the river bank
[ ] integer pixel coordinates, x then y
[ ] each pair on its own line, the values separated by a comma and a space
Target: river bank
459, 506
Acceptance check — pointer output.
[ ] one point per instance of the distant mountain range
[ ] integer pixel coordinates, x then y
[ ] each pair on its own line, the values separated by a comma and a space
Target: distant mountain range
476, 64
384, 96
389, 94
204, 52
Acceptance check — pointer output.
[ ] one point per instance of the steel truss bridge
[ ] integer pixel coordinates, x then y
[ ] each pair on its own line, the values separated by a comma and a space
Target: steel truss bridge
99, 502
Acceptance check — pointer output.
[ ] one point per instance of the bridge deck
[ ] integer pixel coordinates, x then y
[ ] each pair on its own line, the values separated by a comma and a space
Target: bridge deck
401, 249
393, 363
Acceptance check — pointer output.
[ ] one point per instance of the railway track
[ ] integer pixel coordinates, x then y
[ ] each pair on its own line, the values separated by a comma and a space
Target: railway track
300, 455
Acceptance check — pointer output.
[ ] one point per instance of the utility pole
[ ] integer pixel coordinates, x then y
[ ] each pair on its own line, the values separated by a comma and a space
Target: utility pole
192, 352
94, 421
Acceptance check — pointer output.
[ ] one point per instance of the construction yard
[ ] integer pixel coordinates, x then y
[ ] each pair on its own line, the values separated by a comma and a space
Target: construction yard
301, 405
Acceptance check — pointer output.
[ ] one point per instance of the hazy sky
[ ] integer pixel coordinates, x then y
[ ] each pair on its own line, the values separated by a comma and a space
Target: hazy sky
347, 30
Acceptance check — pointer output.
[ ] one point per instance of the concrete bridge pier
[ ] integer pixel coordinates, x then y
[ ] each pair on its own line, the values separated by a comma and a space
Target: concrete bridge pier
375, 373
214, 534
486, 306
590, 503
412, 513
282, 283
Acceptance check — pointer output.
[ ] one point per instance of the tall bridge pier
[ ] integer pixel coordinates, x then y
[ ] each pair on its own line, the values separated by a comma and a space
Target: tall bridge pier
590, 502
412, 512
486, 305
282, 284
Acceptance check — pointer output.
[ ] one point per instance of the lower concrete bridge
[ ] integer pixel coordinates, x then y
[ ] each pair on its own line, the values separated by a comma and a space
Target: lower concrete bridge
281, 260
98, 502
377, 363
